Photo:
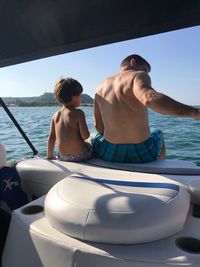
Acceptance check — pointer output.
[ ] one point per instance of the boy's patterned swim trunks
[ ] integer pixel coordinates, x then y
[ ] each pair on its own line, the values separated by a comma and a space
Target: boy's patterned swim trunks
84, 155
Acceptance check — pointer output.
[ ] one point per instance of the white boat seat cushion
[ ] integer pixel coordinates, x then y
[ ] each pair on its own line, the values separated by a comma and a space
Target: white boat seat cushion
116, 211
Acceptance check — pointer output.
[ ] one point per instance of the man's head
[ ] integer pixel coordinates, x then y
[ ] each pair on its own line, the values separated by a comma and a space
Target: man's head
135, 62
66, 89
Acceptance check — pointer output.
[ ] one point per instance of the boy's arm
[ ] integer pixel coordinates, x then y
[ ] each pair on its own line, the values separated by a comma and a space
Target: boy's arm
84, 132
160, 102
51, 141
98, 122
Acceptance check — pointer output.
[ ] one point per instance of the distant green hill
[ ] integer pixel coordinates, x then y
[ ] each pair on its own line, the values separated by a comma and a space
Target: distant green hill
47, 99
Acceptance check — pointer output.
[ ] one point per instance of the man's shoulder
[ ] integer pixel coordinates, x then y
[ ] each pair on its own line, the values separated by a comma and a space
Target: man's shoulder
108, 79
141, 73
105, 83
143, 76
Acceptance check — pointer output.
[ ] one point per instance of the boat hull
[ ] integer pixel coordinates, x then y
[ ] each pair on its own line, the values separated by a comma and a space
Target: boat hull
33, 242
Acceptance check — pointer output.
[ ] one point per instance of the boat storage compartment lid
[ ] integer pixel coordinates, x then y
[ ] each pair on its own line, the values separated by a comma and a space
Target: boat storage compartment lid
117, 211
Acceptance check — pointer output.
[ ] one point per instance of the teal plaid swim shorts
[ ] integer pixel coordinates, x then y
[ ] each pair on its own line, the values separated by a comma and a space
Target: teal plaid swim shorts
146, 151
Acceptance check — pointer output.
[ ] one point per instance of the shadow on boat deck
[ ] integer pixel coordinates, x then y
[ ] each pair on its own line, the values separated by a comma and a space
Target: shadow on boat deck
4, 225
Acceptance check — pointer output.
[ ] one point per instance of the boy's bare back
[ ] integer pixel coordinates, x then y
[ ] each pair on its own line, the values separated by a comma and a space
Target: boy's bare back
68, 126
70, 131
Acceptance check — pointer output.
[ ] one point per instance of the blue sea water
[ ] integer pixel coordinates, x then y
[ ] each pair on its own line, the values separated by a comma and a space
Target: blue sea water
181, 134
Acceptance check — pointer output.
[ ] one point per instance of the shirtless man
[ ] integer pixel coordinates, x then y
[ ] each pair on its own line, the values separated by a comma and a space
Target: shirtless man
121, 117
68, 126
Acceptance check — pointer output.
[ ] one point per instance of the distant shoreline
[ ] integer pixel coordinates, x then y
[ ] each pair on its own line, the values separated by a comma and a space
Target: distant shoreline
45, 100
42, 106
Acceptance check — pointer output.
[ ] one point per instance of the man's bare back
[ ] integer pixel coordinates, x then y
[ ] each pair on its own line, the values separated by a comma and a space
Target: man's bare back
125, 119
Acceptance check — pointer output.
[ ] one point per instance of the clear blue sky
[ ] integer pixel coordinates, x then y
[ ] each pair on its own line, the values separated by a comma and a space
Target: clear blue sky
174, 57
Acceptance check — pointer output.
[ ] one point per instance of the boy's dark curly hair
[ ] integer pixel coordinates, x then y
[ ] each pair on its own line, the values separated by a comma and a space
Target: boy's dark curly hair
66, 88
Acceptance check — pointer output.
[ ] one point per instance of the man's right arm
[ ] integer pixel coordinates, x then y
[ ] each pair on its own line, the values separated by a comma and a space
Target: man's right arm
160, 102
51, 141
98, 122
84, 132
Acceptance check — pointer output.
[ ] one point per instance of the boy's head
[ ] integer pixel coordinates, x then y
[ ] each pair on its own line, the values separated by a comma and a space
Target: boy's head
66, 88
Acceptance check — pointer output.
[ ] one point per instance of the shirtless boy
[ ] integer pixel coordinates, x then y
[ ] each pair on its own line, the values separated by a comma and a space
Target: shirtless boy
68, 126
121, 117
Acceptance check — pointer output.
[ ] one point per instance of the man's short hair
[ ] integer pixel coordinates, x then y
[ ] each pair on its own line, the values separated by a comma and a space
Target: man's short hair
66, 88
139, 60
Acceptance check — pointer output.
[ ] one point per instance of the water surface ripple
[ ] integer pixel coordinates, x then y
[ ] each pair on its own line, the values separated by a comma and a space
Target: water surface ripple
181, 134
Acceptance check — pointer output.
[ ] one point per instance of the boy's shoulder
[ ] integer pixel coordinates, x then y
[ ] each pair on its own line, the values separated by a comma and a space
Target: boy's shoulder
57, 113
56, 116
74, 112
78, 112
